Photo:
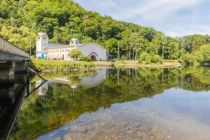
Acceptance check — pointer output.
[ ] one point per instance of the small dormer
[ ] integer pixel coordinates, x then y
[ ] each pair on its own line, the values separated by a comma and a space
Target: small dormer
74, 42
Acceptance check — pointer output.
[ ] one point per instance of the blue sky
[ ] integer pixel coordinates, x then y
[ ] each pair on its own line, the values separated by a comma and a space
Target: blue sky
173, 17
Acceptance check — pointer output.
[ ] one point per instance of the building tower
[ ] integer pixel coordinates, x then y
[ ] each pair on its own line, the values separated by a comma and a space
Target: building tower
41, 44
74, 42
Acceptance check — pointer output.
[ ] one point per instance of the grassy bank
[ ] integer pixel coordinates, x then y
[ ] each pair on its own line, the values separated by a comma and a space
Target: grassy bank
136, 64
60, 65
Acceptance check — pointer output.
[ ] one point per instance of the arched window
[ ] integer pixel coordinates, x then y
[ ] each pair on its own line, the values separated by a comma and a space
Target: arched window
93, 56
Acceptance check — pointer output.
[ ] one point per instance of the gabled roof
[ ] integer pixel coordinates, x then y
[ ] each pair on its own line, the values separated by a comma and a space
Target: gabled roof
87, 43
58, 46
93, 53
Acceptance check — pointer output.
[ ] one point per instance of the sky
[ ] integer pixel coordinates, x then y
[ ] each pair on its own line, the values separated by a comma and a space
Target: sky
172, 17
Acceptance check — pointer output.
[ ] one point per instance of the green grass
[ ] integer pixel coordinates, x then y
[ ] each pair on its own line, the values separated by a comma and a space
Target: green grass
167, 60
60, 65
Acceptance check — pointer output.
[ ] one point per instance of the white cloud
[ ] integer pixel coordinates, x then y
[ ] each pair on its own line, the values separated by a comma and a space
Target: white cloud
173, 17
160, 9
189, 29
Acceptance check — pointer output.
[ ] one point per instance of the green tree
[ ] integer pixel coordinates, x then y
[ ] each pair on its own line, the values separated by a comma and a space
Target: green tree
75, 53
21, 20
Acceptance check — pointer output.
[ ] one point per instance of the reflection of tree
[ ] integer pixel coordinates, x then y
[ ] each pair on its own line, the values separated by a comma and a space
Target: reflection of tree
61, 105
195, 79
74, 79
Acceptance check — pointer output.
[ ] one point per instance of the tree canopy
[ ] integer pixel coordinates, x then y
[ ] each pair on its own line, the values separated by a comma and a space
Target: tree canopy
20, 21
75, 53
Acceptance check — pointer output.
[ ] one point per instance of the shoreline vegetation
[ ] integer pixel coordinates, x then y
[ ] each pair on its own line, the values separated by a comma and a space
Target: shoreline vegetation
60, 65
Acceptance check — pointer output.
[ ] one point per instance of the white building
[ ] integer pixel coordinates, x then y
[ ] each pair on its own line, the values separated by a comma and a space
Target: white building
55, 51
41, 44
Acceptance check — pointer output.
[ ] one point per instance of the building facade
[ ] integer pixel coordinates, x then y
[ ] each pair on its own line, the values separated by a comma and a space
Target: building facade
55, 51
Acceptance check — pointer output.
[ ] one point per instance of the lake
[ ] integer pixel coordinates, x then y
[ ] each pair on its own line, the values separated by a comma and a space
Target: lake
129, 104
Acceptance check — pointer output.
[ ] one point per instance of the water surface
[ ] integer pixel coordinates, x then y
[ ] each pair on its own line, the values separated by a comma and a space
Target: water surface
119, 104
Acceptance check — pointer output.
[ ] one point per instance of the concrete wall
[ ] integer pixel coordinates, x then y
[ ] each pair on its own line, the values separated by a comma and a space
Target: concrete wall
9, 51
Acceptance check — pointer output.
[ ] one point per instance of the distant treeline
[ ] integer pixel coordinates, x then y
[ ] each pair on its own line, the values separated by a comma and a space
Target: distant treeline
20, 21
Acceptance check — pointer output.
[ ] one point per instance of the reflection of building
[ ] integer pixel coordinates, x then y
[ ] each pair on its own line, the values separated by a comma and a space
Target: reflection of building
43, 89
94, 80
86, 81
57, 51
65, 80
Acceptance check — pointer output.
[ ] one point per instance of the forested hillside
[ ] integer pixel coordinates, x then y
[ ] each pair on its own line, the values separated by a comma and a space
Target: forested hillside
21, 20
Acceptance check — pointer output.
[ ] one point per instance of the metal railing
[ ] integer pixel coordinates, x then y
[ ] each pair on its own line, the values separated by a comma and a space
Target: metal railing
7, 47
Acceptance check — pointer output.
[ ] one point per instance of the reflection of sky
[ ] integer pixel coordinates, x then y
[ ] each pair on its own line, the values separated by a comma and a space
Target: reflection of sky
177, 113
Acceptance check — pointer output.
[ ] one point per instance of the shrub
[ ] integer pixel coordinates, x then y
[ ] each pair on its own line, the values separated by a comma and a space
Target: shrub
85, 58
188, 59
157, 59
75, 53
198, 57
150, 58
143, 56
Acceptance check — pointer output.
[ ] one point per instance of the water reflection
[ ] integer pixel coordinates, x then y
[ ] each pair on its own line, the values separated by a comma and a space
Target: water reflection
42, 91
85, 81
119, 104
12, 92
167, 116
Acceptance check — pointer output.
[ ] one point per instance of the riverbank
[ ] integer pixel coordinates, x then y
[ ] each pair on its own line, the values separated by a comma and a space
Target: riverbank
136, 64
60, 65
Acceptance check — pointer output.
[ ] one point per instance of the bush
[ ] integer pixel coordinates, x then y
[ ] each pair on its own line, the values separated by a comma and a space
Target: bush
197, 57
150, 58
143, 56
75, 53
157, 59
85, 58
188, 59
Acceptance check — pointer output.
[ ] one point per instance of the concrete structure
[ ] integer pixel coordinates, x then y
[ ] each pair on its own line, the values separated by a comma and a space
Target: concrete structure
9, 52
13, 84
57, 51
12, 61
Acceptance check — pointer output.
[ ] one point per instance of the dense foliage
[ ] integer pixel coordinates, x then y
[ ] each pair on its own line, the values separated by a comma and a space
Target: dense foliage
197, 57
21, 20
150, 58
